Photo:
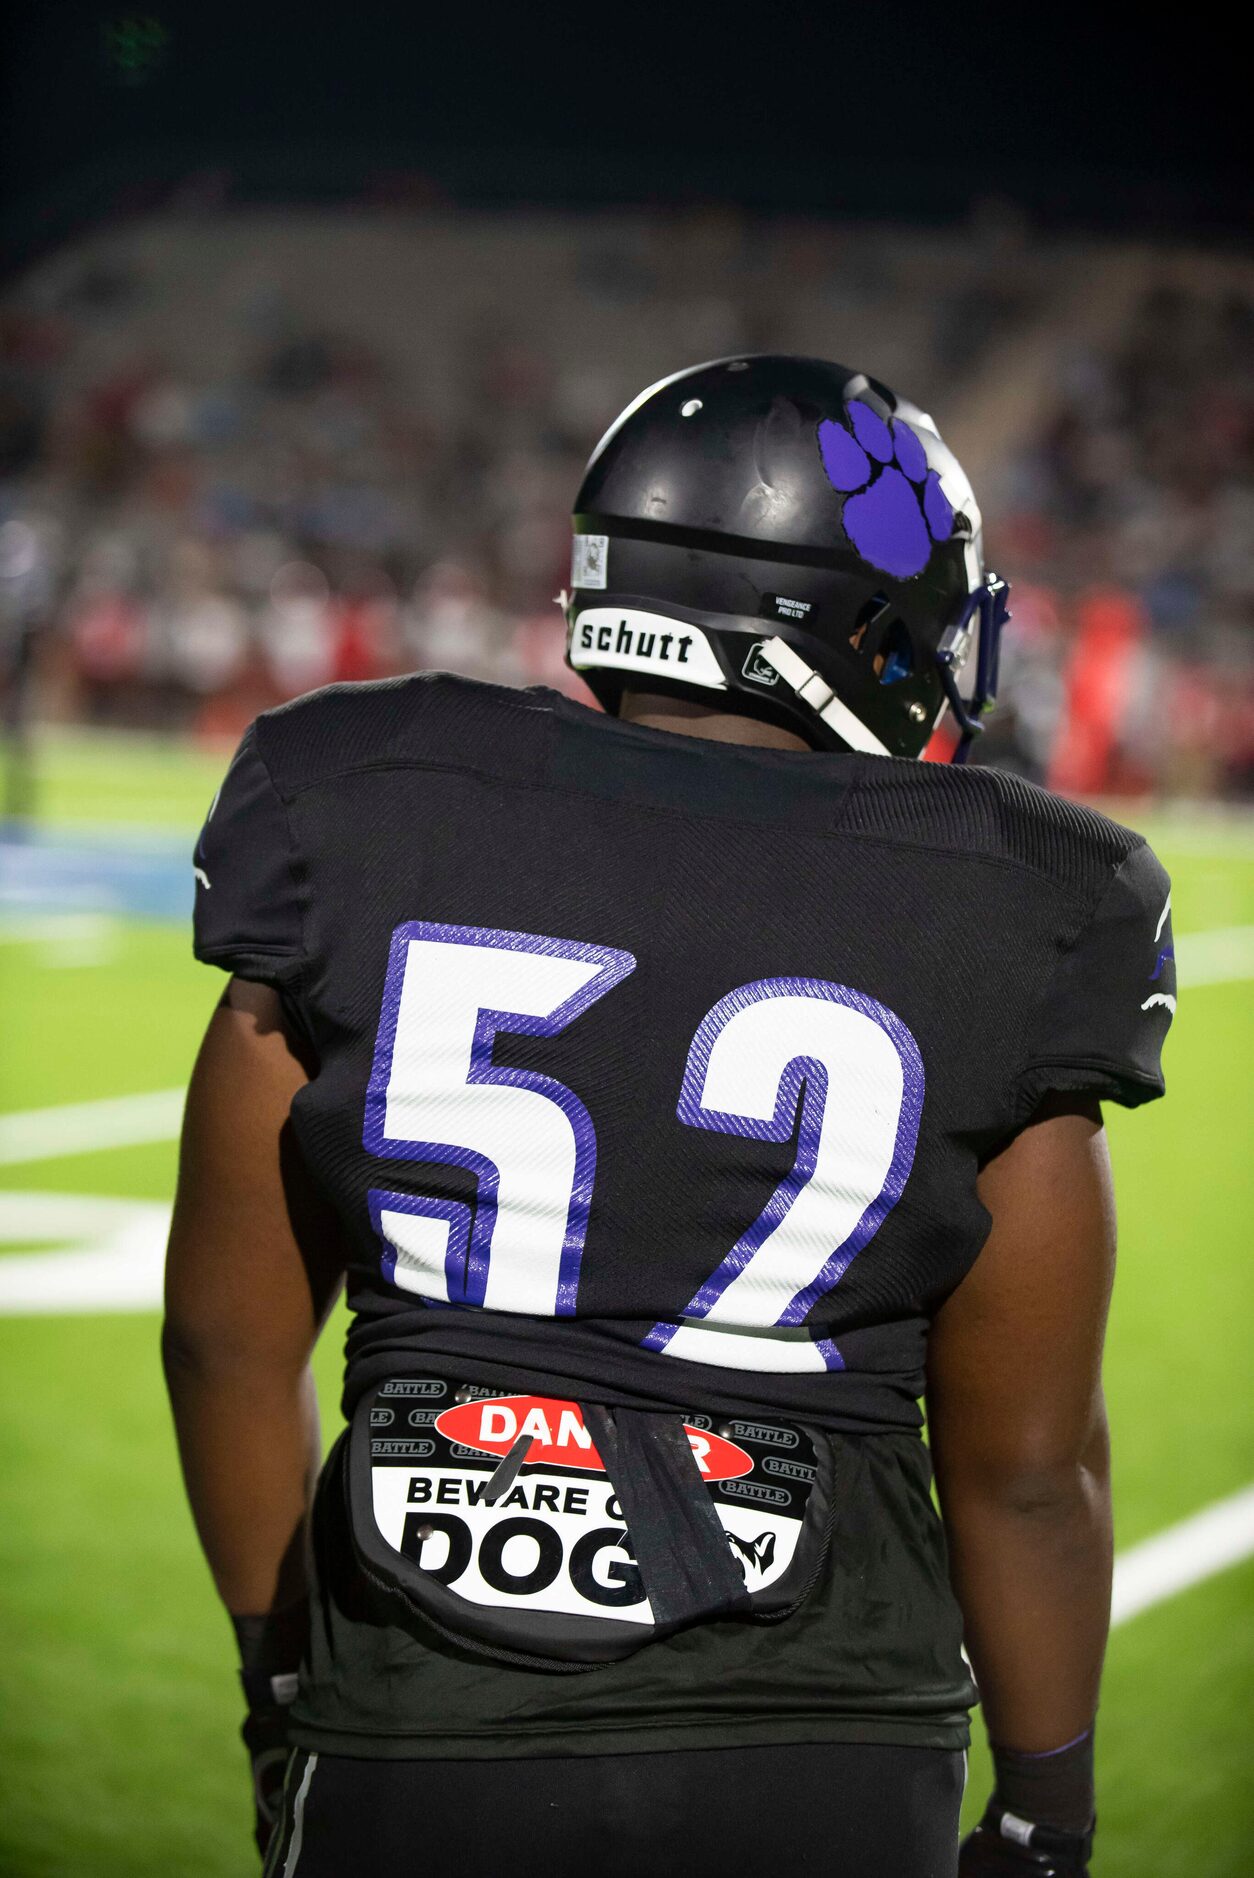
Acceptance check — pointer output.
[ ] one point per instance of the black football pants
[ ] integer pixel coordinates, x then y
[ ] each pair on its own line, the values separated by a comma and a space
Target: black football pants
844, 1812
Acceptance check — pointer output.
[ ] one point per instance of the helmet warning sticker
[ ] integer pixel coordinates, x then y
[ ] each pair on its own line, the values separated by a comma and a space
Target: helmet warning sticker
589, 560
757, 668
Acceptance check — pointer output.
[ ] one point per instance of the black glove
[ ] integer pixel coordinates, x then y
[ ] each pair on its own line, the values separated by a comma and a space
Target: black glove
265, 1736
270, 1647
1004, 1846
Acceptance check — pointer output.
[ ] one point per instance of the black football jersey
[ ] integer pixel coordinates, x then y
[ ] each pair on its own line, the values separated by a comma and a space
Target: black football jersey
660, 1063
663, 1068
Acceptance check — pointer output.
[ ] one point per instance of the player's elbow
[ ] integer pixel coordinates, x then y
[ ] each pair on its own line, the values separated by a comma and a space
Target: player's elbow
216, 1351
187, 1350
1038, 1481
1044, 1492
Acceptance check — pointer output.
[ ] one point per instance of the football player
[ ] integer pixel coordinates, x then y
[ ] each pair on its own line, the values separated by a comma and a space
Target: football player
687, 1088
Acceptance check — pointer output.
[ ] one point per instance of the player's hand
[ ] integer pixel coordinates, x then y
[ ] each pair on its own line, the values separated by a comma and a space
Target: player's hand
265, 1736
270, 1646
992, 1852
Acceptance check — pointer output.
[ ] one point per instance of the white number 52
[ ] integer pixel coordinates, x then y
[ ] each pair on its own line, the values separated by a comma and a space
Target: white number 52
773, 1058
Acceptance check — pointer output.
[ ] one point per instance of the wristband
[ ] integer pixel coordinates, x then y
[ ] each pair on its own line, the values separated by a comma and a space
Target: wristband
1053, 1789
270, 1649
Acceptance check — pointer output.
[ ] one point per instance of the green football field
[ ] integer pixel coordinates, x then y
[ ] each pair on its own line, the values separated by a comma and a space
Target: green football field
118, 1703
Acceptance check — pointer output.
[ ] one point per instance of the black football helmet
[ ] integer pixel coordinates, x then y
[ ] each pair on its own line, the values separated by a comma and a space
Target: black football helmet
793, 534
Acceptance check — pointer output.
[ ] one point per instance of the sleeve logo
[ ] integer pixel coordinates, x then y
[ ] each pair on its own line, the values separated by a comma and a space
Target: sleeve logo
1166, 956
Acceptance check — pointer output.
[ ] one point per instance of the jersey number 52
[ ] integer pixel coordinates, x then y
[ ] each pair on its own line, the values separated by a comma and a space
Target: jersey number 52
436, 1095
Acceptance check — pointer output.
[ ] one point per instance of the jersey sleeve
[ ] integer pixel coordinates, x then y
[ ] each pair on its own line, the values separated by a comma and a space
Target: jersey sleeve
1109, 1003
248, 906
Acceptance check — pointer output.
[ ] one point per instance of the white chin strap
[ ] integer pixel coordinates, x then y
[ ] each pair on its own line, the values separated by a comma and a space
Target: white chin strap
822, 700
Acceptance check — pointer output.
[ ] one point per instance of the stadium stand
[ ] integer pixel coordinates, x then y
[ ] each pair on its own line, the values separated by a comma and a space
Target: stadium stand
243, 453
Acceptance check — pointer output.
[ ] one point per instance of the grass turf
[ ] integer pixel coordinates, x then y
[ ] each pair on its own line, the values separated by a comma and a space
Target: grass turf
118, 1705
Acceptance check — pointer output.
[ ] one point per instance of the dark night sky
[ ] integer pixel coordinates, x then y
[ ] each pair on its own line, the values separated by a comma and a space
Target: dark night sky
869, 108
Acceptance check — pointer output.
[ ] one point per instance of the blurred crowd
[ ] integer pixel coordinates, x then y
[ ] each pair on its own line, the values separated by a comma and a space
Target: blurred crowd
182, 553
1127, 522
220, 490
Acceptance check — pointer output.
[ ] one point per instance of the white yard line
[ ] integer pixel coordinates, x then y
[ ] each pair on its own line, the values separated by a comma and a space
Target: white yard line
56, 928
1217, 957
116, 1122
65, 941
1183, 1555
109, 1255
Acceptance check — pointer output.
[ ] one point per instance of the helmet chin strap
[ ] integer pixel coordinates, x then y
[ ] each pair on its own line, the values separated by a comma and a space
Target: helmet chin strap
822, 700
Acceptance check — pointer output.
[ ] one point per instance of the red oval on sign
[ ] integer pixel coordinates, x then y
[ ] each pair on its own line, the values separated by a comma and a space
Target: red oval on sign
493, 1425
717, 1458
559, 1437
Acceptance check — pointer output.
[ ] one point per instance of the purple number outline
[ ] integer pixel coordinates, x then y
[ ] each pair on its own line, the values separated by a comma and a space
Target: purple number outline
780, 1126
471, 1227
456, 1212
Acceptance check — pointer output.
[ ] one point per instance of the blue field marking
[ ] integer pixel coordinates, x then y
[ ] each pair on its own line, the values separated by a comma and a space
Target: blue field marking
148, 876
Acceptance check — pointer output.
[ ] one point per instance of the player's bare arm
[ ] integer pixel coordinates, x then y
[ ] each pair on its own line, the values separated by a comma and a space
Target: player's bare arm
253, 1268
1019, 1441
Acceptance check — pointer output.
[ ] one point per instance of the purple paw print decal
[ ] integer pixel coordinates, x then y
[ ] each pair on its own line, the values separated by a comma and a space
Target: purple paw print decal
893, 513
